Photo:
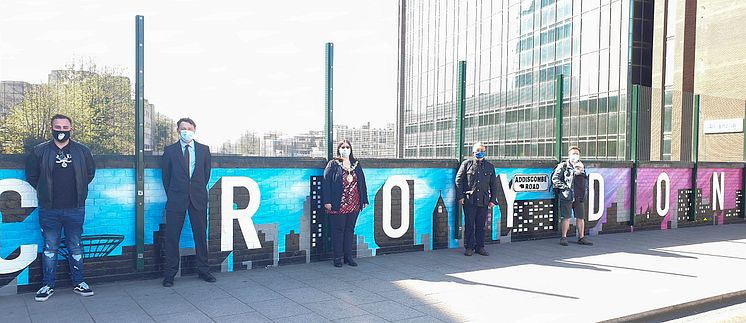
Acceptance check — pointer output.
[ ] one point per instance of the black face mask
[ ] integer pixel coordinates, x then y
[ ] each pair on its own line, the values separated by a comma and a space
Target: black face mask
60, 136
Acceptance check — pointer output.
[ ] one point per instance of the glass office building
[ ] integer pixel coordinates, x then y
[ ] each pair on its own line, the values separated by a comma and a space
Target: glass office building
514, 50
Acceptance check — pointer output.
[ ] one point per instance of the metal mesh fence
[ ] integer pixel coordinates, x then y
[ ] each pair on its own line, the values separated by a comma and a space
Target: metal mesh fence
721, 128
668, 120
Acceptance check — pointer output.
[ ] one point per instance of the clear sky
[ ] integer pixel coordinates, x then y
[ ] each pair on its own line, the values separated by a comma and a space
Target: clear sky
230, 65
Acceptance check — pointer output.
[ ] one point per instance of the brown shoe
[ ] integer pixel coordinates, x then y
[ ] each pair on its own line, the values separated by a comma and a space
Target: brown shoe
483, 252
469, 252
563, 241
584, 241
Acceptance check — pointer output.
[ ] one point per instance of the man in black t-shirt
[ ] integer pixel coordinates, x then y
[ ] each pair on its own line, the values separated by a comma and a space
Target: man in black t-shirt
60, 171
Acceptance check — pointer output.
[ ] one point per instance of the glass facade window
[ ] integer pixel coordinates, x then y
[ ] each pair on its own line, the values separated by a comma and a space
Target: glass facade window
514, 51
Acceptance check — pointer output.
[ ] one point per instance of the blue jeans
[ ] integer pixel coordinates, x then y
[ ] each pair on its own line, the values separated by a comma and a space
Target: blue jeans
52, 222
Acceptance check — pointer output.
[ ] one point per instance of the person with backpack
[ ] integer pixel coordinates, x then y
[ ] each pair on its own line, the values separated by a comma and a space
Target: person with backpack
570, 181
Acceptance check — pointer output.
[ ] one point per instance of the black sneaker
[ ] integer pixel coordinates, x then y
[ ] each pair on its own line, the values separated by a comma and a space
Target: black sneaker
208, 277
350, 261
584, 241
469, 252
44, 293
83, 290
563, 241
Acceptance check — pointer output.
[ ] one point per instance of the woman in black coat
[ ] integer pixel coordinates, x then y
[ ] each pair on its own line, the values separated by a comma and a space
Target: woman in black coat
344, 195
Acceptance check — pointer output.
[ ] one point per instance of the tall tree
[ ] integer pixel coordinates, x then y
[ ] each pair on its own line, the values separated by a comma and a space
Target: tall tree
99, 100
164, 132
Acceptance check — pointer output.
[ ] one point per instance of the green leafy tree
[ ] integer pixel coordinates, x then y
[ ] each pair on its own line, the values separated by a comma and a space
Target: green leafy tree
164, 132
99, 100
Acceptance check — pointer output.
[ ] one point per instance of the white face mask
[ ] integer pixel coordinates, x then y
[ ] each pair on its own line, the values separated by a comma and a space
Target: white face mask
574, 158
186, 135
345, 152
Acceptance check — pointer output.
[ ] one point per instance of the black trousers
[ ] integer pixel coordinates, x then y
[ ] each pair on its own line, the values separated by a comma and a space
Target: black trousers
174, 224
475, 218
343, 230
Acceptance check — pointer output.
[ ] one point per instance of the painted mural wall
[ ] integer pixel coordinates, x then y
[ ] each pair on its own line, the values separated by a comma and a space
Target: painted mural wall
719, 196
261, 217
662, 197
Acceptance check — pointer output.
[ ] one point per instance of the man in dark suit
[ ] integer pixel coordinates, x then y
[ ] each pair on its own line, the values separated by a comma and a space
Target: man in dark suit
186, 172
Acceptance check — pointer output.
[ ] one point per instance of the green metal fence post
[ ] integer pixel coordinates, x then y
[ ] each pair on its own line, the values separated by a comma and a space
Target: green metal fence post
329, 100
559, 100
633, 152
140, 140
460, 134
461, 111
329, 120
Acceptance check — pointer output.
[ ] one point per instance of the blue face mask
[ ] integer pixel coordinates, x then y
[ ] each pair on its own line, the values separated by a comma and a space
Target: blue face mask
574, 158
187, 135
480, 154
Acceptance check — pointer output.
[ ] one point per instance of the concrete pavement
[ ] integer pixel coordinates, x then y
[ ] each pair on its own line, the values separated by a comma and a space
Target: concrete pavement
534, 281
